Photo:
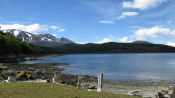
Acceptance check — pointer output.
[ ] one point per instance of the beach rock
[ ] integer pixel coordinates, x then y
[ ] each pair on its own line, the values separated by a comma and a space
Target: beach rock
1, 79
3, 68
89, 85
172, 95
7, 73
150, 95
160, 95
21, 79
167, 96
162, 82
69, 82
23, 74
92, 87
10, 79
136, 93
30, 69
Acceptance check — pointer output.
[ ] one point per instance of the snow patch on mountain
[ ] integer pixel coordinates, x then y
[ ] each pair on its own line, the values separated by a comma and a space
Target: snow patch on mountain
39, 39
16, 32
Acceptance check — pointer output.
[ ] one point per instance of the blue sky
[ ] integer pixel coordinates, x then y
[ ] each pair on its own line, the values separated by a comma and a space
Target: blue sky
96, 21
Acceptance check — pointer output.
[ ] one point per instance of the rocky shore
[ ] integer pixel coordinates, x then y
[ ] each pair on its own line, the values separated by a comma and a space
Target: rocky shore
11, 72
31, 72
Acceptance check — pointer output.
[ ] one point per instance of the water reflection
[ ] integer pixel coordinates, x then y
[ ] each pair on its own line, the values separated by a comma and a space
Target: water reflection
118, 66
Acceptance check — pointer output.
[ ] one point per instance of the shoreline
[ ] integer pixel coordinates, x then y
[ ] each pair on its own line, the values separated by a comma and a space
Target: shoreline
46, 71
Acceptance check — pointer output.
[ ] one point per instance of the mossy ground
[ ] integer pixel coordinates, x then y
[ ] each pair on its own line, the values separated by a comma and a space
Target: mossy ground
46, 90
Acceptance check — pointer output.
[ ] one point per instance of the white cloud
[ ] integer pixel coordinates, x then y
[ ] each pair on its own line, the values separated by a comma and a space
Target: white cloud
32, 28
171, 44
57, 28
127, 14
143, 4
105, 40
154, 32
82, 42
124, 39
106, 21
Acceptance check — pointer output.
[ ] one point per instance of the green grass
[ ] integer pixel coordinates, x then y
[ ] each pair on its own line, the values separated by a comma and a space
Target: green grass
46, 90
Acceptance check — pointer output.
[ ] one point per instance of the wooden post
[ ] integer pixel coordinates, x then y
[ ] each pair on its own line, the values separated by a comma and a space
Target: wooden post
100, 82
173, 94
57, 77
79, 82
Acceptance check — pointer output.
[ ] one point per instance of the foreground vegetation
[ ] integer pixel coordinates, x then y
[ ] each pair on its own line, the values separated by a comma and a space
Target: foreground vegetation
46, 90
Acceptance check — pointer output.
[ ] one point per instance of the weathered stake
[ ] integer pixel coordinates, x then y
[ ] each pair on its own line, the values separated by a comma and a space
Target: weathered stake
100, 82
173, 94
79, 82
57, 77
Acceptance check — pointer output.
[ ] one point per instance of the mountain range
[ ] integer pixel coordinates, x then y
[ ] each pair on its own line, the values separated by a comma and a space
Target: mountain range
38, 39
63, 45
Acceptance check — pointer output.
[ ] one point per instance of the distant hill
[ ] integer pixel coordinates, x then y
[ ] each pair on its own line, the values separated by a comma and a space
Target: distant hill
113, 47
142, 42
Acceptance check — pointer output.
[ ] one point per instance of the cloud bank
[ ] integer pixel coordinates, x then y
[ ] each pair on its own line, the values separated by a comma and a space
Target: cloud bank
105, 40
143, 4
33, 28
124, 39
154, 32
171, 44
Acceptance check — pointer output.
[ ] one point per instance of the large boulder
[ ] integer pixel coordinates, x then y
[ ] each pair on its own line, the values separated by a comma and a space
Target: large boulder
136, 93
23, 74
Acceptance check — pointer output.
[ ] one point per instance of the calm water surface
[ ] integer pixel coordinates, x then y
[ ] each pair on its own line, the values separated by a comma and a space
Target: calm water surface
153, 67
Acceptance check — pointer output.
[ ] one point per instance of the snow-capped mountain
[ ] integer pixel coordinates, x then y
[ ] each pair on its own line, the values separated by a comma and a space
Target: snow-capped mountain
51, 38
47, 37
40, 39
64, 40
23, 35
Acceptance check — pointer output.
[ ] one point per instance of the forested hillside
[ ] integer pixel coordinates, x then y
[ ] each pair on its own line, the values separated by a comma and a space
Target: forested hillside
10, 46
